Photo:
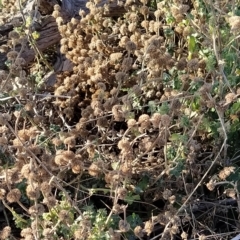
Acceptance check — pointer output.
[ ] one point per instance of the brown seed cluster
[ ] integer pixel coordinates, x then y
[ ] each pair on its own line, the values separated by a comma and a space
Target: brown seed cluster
132, 117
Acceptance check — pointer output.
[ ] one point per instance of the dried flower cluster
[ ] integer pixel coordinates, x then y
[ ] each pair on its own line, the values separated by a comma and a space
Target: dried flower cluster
138, 122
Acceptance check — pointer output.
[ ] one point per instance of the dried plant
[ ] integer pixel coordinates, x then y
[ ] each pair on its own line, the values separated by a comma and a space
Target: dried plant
138, 140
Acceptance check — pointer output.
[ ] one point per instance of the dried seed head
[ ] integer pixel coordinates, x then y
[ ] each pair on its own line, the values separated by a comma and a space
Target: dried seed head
45, 188
178, 29
144, 10
126, 168
123, 41
143, 118
32, 191
36, 210
182, 63
149, 226
82, 13
2, 193
63, 50
115, 57
234, 22
145, 24
165, 120
62, 29
26, 232
202, 237
176, 220
155, 120
26, 171
91, 151
74, 21
117, 112
179, 17
62, 158
230, 97
57, 142
120, 77
23, 135
184, 235
131, 46
123, 30
136, 89
12, 55
14, 35
5, 233
131, 123
230, 192
138, 231
57, 7
4, 117
144, 2
158, 13
183, 8
174, 229
202, 64
13, 175
117, 209
124, 144
14, 195
193, 64
94, 170
187, 31
211, 185
223, 174
50, 201
166, 194
121, 193
70, 141
127, 63
3, 140
102, 122
47, 232
76, 164
113, 178
124, 226
172, 199
64, 216
3, 75
20, 62
131, 28
78, 234
56, 14
206, 88
162, 219
144, 121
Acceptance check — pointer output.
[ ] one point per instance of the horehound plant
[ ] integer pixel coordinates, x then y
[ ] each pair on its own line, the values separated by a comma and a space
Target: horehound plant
146, 121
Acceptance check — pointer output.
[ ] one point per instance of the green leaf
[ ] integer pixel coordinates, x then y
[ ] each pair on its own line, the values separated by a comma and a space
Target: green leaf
177, 171
55, 128
235, 109
184, 121
234, 176
152, 107
210, 62
191, 44
134, 220
142, 185
178, 137
164, 109
19, 221
131, 198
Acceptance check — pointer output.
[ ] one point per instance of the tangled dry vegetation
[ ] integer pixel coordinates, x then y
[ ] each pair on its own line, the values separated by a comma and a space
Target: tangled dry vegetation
139, 140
